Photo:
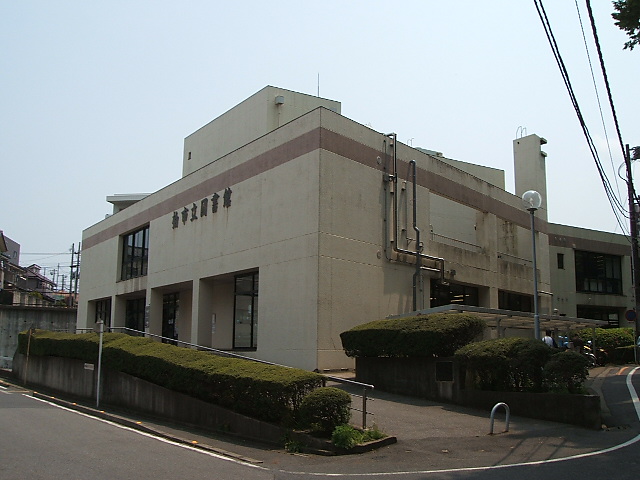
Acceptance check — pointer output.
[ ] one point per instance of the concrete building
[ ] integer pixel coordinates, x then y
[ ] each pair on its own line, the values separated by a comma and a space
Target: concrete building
292, 223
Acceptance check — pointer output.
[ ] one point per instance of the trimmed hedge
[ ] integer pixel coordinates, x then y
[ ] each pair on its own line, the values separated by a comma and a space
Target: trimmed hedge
258, 390
566, 371
325, 408
435, 335
616, 342
522, 365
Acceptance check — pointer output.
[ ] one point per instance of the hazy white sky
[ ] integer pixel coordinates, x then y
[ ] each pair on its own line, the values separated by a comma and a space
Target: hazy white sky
97, 97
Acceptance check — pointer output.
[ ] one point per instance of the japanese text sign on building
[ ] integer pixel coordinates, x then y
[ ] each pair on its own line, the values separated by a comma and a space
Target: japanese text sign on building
190, 214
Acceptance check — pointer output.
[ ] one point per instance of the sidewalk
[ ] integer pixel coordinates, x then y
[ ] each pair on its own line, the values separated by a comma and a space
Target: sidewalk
431, 436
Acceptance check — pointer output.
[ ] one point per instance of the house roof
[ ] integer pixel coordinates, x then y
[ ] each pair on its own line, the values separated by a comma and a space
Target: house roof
3, 243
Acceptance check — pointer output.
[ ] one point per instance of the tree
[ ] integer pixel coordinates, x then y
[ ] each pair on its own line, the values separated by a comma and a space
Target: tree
627, 18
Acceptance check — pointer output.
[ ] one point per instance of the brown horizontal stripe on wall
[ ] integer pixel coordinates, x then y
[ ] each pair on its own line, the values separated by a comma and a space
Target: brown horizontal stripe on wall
318, 138
279, 155
589, 245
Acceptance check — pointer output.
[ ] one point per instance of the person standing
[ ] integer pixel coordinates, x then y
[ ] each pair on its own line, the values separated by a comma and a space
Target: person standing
549, 340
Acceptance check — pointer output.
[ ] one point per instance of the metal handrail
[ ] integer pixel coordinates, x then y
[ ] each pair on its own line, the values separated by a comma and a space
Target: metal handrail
364, 386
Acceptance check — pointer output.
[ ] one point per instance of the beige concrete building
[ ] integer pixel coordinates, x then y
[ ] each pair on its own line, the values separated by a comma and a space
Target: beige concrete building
292, 223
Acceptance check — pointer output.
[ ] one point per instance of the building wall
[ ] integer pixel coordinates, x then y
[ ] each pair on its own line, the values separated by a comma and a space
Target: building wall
251, 119
566, 240
312, 211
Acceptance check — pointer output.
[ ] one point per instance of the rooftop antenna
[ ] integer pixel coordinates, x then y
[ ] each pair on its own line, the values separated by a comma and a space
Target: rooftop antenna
318, 84
522, 131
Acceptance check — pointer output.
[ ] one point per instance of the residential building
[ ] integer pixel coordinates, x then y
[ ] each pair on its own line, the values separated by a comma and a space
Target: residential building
292, 223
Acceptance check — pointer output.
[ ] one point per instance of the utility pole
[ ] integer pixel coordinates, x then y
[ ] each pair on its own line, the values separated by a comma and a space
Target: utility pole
635, 264
75, 272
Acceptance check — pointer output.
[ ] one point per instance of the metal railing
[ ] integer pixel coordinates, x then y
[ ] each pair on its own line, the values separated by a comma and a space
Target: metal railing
224, 353
454, 242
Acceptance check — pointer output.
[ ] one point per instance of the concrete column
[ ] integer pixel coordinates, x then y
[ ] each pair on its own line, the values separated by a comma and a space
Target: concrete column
201, 314
118, 312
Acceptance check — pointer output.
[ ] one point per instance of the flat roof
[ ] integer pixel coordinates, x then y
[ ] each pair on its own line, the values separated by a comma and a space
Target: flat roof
510, 318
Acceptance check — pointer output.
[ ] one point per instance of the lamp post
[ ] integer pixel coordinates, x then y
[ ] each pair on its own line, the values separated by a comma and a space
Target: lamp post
532, 201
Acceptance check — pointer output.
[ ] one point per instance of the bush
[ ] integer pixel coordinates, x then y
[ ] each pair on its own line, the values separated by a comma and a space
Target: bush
566, 372
325, 408
423, 336
345, 436
612, 340
505, 364
258, 390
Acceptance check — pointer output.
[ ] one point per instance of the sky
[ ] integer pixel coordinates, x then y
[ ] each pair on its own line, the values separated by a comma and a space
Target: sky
97, 97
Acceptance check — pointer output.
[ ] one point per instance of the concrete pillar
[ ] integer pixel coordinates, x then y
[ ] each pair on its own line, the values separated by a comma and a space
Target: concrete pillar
118, 312
201, 315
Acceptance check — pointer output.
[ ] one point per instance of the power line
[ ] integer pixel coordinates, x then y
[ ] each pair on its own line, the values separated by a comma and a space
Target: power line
595, 88
618, 209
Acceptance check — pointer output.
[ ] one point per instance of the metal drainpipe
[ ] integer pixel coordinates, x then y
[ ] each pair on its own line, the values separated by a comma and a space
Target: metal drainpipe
416, 275
393, 178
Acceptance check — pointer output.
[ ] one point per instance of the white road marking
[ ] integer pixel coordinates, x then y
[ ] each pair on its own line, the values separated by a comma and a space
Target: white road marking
145, 434
632, 393
634, 398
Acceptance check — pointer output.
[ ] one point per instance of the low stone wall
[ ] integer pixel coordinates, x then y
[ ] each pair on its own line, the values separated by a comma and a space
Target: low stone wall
440, 380
76, 378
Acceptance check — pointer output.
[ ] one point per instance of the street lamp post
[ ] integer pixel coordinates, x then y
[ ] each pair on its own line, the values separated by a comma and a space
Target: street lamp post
532, 201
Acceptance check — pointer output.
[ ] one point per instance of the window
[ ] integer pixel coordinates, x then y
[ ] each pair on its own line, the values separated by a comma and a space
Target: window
134, 316
515, 301
135, 254
560, 261
453, 294
245, 324
170, 305
103, 312
609, 314
598, 273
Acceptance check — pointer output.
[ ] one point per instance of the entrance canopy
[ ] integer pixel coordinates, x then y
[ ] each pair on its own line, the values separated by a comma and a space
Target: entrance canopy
512, 319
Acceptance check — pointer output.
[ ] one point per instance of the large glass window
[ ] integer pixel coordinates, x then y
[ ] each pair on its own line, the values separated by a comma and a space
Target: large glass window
598, 273
135, 254
170, 306
447, 294
103, 312
134, 315
609, 314
245, 325
515, 301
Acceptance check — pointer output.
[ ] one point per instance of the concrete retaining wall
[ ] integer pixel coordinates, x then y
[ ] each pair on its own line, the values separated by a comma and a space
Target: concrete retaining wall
79, 379
16, 319
440, 379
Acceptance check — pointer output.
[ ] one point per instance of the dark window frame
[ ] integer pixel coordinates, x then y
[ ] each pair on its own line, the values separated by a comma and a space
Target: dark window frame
453, 293
598, 273
135, 254
103, 312
240, 291
135, 311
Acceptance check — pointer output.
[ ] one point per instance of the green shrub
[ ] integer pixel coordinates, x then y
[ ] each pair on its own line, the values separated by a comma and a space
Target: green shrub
423, 336
566, 372
325, 408
505, 364
612, 340
258, 390
345, 436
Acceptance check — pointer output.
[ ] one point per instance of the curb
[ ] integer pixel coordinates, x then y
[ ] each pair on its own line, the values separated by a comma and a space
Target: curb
140, 426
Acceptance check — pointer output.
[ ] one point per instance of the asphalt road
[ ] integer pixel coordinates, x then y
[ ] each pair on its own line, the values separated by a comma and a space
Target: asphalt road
42, 441
39, 440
